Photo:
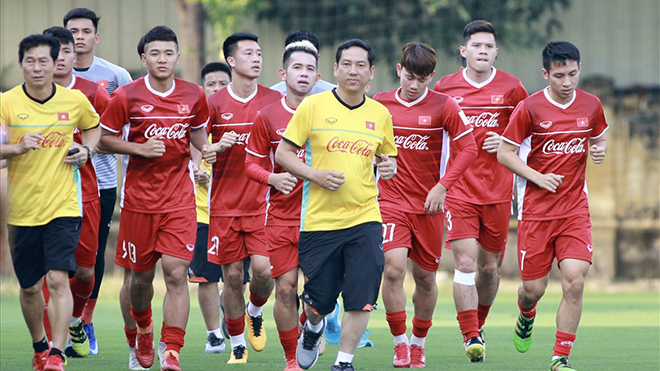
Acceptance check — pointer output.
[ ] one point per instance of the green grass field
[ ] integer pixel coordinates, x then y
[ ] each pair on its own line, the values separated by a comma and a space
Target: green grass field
619, 331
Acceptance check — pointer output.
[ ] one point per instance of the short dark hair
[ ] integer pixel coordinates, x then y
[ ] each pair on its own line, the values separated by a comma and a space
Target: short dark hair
300, 35
371, 54
158, 33
61, 34
478, 26
229, 46
35, 40
82, 13
215, 67
558, 52
418, 58
304, 46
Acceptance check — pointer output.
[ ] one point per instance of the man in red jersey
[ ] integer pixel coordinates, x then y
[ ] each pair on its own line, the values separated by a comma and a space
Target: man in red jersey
299, 61
478, 208
160, 116
551, 135
411, 203
237, 204
82, 283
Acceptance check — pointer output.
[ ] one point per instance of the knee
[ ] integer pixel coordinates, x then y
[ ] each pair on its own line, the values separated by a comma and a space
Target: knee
260, 275
532, 293
488, 270
465, 263
394, 272
287, 294
33, 291
84, 273
573, 286
142, 282
57, 281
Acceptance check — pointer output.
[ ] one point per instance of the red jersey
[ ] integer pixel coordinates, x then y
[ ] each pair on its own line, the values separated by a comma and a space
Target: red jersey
488, 107
161, 184
419, 129
99, 99
232, 193
283, 210
554, 138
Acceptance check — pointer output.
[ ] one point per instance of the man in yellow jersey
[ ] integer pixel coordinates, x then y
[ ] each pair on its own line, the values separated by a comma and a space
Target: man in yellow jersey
341, 244
44, 196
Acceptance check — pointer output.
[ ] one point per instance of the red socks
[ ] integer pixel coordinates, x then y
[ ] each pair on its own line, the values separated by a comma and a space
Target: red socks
482, 313
257, 301
81, 291
88, 312
469, 323
421, 327
289, 340
172, 336
397, 322
563, 344
143, 318
235, 326
528, 313
131, 334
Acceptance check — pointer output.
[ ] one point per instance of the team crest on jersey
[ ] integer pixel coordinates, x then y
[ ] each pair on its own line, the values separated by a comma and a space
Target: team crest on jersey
280, 132
583, 122
458, 99
147, 108
190, 247
331, 120
227, 116
424, 120
182, 109
497, 99
370, 125
63, 116
23, 116
546, 124
103, 83
590, 248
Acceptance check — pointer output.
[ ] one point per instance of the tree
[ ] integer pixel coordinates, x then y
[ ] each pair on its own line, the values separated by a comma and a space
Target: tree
191, 23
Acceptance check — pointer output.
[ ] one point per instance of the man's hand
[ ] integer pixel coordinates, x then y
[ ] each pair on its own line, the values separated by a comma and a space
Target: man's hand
492, 142
30, 141
597, 154
208, 155
386, 167
283, 182
79, 158
154, 147
435, 199
549, 182
227, 141
329, 179
201, 176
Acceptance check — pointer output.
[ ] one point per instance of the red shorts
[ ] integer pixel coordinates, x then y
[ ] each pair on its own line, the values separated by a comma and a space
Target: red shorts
539, 242
282, 248
143, 238
420, 233
234, 238
88, 244
488, 224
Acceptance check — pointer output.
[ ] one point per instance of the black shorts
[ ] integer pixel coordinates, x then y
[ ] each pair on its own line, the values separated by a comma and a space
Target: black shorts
37, 250
349, 261
201, 270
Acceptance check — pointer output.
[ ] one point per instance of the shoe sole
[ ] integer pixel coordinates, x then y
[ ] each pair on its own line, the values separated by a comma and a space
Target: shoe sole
475, 353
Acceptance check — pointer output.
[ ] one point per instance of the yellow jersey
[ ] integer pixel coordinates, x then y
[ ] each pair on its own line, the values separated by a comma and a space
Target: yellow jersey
41, 187
344, 139
202, 194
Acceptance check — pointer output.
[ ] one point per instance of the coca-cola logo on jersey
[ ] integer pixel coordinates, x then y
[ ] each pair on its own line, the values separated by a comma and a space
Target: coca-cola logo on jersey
484, 120
575, 145
243, 139
54, 139
358, 147
176, 131
413, 141
301, 154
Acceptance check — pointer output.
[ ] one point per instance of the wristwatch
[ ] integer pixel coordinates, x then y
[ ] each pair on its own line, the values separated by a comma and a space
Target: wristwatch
90, 152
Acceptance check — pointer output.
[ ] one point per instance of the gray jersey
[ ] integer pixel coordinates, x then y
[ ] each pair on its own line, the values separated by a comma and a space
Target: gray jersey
320, 87
110, 77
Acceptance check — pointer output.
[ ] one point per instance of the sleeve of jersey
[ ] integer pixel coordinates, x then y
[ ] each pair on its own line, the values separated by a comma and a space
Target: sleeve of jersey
202, 116
89, 118
388, 147
456, 122
101, 100
256, 163
600, 126
520, 125
116, 114
461, 131
521, 93
299, 128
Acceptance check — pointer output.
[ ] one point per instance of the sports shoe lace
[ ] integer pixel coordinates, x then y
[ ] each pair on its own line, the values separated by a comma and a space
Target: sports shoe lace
145, 341
239, 351
416, 353
78, 333
401, 351
524, 327
345, 366
256, 325
310, 338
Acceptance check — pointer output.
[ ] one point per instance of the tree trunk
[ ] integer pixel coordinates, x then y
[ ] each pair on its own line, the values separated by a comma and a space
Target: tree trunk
191, 38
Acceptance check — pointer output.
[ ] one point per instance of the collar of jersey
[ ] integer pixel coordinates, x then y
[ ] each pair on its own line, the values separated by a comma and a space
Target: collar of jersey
155, 92
286, 106
410, 104
562, 106
480, 85
40, 101
73, 82
364, 99
242, 100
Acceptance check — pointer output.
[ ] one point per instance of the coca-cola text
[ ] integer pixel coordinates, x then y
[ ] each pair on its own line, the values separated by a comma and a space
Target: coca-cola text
413, 141
484, 120
359, 147
176, 131
575, 145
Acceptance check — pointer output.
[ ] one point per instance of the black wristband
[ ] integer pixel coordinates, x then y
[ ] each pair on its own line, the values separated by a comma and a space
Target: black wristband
89, 152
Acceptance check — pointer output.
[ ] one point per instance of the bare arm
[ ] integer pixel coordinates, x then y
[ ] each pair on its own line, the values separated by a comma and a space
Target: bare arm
200, 141
286, 155
386, 166
597, 149
507, 156
29, 141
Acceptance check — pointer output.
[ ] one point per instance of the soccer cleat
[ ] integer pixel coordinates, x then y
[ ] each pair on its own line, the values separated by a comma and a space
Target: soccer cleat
292, 365
39, 360
364, 341
417, 357
256, 331
475, 350
214, 344
79, 340
161, 352
307, 351
481, 335
93, 345
333, 329
238, 355
225, 330
522, 333
401, 356
560, 364
144, 349
54, 363
133, 363
343, 366
170, 361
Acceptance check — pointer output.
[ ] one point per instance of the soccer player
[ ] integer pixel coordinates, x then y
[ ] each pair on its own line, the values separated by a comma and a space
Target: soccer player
340, 244
551, 135
83, 24
411, 203
215, 76
160, 116
82, 282
44, 209
299, 63
237, 204
478, 207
